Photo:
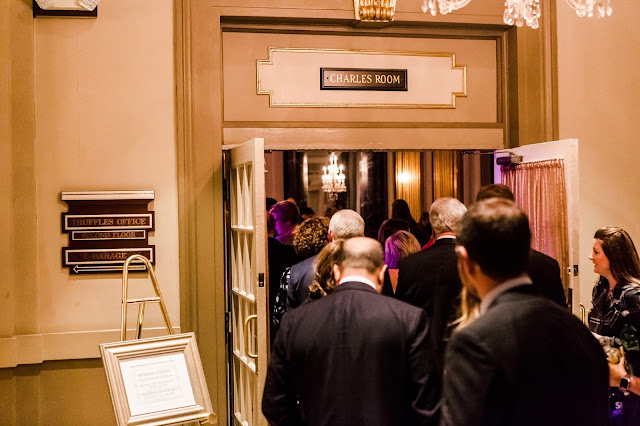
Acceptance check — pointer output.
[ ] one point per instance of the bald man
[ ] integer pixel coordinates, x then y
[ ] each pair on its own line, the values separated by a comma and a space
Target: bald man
343, 225
353, 357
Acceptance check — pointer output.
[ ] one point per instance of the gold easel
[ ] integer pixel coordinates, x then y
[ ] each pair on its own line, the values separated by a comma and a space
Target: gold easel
142, 301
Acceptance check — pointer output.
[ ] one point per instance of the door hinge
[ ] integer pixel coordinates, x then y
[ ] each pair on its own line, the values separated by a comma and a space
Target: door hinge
227, 321
260, 279
575, 270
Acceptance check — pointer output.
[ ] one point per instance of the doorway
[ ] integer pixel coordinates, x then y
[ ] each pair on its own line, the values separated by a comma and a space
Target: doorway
369, 181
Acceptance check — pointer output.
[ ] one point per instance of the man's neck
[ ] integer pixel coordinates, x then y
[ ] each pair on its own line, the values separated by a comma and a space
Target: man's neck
484, 286
350, 273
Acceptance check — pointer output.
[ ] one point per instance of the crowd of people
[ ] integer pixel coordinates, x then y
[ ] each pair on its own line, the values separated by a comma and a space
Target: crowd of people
452, 320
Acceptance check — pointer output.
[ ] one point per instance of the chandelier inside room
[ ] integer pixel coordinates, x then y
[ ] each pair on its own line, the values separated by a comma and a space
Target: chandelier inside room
333, 179
521, 12
517, 12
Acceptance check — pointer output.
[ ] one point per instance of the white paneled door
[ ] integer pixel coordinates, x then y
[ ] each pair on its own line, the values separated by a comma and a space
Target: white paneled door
246, 286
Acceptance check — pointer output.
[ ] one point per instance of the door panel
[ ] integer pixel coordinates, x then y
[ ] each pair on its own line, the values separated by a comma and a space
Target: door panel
246, 283
567, 150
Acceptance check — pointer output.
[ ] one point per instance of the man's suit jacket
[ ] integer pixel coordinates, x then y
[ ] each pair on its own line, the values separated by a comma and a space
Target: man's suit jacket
545, 274
353, 357
420, 274
526, 361
301, 277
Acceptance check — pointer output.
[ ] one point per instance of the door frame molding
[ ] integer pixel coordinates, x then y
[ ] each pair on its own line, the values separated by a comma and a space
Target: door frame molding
201, 131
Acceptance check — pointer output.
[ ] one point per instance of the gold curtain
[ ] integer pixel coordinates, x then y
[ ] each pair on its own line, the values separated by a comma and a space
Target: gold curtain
446, 165
408, 181
540, 190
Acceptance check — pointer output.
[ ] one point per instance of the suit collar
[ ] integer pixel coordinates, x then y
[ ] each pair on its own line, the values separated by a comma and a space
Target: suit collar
521, 284
354, 285
445, 242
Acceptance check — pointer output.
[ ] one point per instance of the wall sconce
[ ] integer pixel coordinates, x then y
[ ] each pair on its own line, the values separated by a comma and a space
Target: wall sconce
59, 8
404, 177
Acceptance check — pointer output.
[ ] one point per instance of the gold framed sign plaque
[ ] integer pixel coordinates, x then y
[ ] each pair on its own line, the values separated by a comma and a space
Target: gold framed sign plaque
157, 381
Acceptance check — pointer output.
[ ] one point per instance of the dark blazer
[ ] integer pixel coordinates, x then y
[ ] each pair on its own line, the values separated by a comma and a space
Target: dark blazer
421, 273
351, 358
301, 277
526, 361
545, 274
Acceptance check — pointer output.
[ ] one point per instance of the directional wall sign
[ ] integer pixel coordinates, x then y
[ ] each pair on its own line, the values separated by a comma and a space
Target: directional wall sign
105, 228
106, 221
107, 256
109, 235
104, 260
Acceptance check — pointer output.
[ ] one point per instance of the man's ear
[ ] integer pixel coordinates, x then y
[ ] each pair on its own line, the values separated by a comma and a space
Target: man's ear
381, 275
466, 266
336, 273
330, 236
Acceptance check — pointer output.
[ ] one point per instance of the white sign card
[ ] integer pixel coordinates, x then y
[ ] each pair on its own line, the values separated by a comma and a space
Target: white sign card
158, 383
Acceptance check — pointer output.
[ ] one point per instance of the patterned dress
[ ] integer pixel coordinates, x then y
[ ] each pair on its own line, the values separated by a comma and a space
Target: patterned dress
607, 320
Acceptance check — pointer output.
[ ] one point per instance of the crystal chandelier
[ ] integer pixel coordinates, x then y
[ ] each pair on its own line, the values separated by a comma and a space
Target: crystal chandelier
519, 12
333, 179
446, 6
586, 7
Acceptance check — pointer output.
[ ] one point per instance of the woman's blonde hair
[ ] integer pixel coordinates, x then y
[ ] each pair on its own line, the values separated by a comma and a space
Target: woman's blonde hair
399, 245
469, 309
324, 282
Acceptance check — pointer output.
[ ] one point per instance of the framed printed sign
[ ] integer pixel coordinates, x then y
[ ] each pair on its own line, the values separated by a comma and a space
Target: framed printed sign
157, 381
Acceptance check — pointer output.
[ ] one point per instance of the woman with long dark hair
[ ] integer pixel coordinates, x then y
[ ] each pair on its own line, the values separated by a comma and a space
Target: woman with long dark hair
616, 304
400, 210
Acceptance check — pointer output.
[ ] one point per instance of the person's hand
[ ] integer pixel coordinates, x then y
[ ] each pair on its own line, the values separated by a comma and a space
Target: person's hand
596, 335
616, 372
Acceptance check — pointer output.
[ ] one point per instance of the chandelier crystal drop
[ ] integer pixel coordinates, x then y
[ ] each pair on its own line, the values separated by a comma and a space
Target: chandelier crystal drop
443, 6
521, 12
587, 8
333, 178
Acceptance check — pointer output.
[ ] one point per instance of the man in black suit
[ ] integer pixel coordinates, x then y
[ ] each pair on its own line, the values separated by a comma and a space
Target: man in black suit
344, 224
353, 357
543, 270
524, 360
429, 279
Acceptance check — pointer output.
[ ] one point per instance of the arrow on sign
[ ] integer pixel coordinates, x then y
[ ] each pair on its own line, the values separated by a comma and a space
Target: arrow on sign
78, 269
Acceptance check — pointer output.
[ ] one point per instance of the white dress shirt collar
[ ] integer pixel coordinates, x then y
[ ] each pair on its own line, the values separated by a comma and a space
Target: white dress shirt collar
358, 279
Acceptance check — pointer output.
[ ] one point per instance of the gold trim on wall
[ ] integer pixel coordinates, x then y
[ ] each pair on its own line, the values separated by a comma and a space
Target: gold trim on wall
409, 180
446, 166
451, 55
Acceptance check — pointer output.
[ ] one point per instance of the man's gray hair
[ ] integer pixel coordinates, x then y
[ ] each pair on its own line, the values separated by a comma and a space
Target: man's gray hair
346, 224
445, 214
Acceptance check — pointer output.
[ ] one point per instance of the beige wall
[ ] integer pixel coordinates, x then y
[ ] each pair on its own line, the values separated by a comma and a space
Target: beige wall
104, 121
598, 104
85, 104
